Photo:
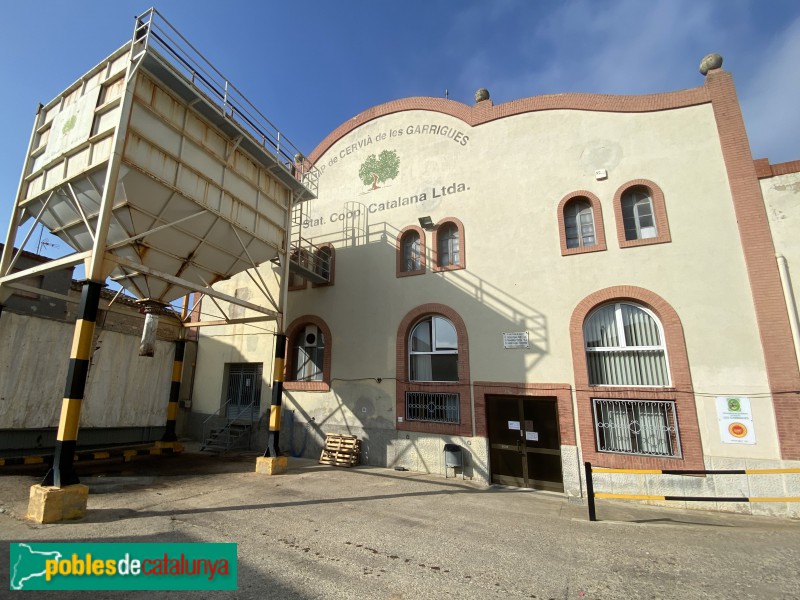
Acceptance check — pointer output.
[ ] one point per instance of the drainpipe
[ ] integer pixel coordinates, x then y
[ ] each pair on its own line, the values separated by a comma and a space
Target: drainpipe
791, 303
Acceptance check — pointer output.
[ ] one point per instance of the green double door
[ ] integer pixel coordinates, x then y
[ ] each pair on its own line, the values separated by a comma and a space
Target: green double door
524, 444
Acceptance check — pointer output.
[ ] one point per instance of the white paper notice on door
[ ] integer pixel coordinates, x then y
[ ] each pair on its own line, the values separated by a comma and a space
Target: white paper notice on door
514, 425
532, 436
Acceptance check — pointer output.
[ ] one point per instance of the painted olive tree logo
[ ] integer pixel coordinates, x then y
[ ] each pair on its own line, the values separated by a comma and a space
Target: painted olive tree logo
69, 124
379, 169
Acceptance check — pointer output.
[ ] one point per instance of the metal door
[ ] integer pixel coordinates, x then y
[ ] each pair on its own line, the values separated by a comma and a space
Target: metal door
244, 391
524, 444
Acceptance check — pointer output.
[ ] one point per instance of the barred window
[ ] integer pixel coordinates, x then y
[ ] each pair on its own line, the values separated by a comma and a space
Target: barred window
643, 427
625, 346
434, 407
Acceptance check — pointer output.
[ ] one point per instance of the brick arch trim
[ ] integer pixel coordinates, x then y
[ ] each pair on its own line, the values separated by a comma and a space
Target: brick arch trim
291, 333
659, 214
462, 246
399, 247
681, 391
487, 111
462, 386
597, 215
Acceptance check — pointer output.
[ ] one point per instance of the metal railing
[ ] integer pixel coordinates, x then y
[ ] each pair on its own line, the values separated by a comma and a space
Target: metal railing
591, 494
218, 429
152, 30
432, 407
642, 427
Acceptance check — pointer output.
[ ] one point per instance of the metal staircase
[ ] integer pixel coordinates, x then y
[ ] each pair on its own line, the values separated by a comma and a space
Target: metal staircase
307, 260
229, 428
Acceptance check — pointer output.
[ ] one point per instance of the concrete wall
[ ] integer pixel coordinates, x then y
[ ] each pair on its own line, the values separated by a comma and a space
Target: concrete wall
125, 393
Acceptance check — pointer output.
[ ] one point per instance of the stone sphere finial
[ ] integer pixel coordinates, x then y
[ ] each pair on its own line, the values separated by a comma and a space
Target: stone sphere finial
298, 158
481, 95
709, 62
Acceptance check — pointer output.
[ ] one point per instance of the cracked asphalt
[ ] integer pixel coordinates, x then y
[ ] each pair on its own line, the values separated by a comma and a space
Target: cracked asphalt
321, 532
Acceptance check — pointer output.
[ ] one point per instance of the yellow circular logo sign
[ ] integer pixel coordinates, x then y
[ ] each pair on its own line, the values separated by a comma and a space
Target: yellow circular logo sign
737, 430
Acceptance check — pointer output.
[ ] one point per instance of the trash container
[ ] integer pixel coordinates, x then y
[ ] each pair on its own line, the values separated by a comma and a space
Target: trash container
453, 458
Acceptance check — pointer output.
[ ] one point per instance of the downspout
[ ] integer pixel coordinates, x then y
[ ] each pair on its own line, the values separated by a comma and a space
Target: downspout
791, 303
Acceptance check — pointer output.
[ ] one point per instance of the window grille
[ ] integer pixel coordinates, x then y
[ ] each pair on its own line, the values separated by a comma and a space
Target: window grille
643, 427
433, 407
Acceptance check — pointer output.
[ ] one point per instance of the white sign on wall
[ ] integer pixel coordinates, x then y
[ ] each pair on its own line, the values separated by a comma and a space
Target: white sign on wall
515, 339
735, 420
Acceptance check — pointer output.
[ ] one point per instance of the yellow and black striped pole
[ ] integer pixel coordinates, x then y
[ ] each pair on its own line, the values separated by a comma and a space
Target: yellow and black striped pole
174, 391
63, 471
273, 447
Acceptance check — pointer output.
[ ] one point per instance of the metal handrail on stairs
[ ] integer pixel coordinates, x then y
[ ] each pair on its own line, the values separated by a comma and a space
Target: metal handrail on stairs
217, 427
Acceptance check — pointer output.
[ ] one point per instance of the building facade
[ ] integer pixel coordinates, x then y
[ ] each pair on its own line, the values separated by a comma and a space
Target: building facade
544, 282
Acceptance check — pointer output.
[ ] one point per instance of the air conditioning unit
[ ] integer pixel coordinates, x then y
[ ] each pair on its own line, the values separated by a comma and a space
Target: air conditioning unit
310, 336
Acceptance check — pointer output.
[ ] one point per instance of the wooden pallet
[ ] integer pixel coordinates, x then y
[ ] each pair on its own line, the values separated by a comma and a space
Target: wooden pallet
341, 450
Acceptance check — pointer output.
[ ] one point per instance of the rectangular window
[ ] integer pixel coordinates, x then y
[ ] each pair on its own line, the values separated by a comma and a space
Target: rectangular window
643, 427
432, 407
308, 363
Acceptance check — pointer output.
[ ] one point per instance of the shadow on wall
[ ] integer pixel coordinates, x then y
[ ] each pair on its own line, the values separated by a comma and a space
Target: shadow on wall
363, 403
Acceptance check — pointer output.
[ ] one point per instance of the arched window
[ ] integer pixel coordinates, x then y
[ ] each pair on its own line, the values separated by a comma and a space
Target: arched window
449, 250
625, 347
579, 223
433, 350
637, 214
308, 354
412, 252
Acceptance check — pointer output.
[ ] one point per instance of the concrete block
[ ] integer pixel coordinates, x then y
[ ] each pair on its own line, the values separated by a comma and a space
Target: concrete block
176, 446
272, 465
51, 504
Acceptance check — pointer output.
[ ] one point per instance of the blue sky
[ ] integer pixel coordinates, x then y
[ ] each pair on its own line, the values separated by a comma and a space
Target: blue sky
309, 66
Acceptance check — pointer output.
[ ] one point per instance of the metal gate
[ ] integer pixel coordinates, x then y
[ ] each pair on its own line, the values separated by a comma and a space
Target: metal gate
244, 391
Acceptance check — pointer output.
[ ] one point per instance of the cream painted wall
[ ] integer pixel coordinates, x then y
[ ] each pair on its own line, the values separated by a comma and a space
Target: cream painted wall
223, 344
515, 171
782, 200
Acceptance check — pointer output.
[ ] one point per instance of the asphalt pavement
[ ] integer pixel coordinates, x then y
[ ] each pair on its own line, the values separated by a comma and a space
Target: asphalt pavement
322, 532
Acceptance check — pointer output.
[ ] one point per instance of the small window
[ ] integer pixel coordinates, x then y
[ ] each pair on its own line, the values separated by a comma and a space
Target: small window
637, 214
643, 427
625, 347
433, 352
308, 354
449, 250
412, 252
579, 223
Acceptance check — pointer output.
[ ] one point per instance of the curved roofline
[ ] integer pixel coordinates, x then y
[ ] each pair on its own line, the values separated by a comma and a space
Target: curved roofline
486, 111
